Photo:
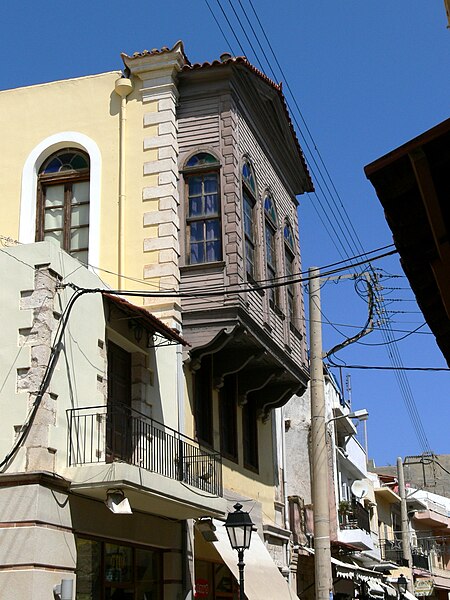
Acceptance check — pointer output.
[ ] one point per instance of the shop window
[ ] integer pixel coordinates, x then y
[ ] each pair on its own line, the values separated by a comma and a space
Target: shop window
270, 230
203, 402
214, 581
228, 418
108, 570
250, 436
63, 202
203, 223
249, 200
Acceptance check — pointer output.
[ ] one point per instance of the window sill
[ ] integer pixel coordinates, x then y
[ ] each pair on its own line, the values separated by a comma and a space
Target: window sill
218, 265
230, 458
251, 468
277, 310
254, 284
295, 331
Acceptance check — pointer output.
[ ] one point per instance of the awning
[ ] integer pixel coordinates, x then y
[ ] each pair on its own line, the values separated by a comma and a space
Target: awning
374, 589
262, 578
390, 590
408, 595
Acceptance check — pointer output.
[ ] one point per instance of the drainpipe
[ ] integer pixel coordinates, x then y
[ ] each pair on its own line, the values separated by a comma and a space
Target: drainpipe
122, 87
285, 498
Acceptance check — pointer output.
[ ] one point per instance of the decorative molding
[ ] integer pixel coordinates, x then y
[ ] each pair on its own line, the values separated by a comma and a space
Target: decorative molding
28, 200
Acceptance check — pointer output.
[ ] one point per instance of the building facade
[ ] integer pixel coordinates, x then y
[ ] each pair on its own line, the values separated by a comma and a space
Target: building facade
176, 185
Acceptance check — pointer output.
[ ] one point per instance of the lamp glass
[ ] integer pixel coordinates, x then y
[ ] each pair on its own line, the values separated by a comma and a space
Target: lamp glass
239, 528
402, 584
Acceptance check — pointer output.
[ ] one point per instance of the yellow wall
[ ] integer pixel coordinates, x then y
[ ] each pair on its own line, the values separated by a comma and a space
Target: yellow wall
89, 106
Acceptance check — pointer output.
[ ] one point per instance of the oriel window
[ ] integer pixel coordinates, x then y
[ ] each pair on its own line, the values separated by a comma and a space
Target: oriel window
63, 202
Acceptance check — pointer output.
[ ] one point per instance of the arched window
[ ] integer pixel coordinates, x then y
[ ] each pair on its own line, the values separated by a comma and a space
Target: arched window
289, 258
249, 196
63, 202
270, 230
203, 222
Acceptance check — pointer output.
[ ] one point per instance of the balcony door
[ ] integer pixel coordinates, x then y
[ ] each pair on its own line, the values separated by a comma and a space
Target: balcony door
119, 421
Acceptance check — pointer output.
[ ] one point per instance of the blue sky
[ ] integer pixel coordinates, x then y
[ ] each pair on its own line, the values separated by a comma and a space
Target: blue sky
367, 76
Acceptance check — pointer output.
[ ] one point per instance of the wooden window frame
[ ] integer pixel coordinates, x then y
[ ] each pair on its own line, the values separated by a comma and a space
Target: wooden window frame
250, 437
228, 418
201, 171
250, 197
203, 403
67, 179
271, 269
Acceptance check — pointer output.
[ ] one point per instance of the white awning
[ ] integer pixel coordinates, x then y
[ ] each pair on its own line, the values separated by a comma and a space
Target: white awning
408, 595
374, 589
390, 590
262, 578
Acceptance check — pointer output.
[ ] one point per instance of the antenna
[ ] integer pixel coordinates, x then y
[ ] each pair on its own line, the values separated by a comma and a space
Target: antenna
360, 488
348, 385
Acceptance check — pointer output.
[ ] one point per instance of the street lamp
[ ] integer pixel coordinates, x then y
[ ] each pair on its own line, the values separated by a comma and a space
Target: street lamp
402, 584
361, 415
239, 528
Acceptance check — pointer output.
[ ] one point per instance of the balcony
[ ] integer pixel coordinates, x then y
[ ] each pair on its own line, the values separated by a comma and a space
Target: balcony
354, 526
142, 454
392, 551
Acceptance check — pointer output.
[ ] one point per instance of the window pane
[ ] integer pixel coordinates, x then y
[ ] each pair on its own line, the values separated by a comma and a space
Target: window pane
213, 251
195, 186
248, 217
80, 192
79, 238
197, 231
81, 255
53, 166
210, 184
88, 569
197, 253
53, 218
54, 195
213, 230
80, 215
211, 204
195, 207
270, 246
202, 158
54, 236
118, 563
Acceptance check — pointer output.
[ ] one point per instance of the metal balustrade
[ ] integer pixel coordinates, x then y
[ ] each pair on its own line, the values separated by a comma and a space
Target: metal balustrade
392, 550
356, 517
104, 434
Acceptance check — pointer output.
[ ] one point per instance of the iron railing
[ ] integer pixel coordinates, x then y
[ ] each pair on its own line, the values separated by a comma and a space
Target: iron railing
392, 550
103, 434
356, 517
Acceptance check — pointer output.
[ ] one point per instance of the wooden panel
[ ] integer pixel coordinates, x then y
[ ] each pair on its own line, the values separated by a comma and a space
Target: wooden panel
198, 123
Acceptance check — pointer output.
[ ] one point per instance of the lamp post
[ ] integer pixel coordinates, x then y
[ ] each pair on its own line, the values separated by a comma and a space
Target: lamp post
239, 528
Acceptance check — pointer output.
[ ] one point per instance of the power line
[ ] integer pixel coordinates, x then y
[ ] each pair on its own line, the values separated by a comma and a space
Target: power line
393, 352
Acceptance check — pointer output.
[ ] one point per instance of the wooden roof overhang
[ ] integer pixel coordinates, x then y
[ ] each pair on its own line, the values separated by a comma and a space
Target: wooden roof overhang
265, 373
144, 318
413, 185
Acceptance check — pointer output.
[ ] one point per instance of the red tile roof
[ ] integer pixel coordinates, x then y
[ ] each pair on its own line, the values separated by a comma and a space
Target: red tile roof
225, 62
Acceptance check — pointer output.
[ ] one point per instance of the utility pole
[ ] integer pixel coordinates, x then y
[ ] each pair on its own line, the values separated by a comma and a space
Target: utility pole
406, 544
320, 481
